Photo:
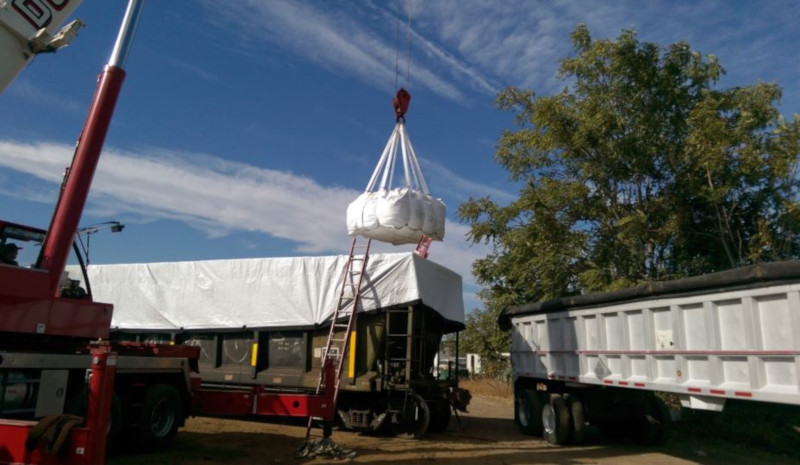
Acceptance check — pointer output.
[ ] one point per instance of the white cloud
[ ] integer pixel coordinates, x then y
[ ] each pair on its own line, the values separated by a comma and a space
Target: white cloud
458, 47
219, 197
334, 39
41, 95
452, 185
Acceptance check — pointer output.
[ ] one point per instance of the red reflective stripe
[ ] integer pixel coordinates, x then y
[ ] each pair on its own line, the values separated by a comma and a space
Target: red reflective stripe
623, 383
695, 389
638, 384
743, 394
717, 391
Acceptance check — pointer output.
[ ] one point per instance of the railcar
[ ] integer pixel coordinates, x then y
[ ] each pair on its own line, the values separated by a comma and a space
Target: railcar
264, 323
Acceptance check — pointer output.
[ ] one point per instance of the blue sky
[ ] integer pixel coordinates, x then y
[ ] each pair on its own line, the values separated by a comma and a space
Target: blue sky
244, 128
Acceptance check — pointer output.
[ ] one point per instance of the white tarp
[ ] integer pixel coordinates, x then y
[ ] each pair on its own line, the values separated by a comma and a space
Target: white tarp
265, 292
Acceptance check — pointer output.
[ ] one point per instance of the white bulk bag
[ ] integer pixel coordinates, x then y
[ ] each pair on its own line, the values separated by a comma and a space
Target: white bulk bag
399, 215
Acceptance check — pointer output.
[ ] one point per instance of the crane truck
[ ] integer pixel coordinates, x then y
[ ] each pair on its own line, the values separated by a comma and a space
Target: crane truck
30, 27
65, 391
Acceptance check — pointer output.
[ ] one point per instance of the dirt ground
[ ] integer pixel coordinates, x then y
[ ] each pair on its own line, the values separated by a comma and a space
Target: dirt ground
487, 435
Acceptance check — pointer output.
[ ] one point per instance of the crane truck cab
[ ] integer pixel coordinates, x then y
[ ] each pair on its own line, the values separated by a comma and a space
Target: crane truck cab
28, 305
46, 351
25, 243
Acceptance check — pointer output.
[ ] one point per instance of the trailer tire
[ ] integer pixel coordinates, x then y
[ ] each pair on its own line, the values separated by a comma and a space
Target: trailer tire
655, 427
555, 420
160, 417
529, 412
577, 420
666, 422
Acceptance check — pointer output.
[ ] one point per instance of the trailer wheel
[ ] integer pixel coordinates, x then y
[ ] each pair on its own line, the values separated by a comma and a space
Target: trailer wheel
529, 412
440, 415
555, 420
160, 416
655, 427
577, 419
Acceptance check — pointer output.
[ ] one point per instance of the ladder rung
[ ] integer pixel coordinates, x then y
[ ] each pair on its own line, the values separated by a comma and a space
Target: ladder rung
349, 294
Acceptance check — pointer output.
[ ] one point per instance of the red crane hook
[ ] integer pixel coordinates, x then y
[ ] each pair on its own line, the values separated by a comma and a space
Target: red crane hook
400, 102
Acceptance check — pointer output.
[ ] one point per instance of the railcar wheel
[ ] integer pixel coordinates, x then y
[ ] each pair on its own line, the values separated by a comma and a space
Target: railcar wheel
555, 420
440, 415
160, 416
577, 420
529, 412
415, 418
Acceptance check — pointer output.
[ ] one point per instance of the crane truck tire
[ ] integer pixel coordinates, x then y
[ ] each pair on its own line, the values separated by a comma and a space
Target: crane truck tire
114, 423
160, 417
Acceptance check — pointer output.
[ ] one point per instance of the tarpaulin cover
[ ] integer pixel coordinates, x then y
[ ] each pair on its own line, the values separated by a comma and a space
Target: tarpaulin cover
298, 292
744, 277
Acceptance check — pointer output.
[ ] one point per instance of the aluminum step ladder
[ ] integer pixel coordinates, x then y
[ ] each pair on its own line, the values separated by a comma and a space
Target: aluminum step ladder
343, 321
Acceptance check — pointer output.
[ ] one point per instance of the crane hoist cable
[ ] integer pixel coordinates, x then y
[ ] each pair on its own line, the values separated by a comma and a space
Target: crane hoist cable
397, 46
402, 98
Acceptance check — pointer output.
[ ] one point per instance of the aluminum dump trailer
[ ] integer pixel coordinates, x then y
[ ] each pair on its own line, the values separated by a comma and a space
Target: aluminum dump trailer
707, 339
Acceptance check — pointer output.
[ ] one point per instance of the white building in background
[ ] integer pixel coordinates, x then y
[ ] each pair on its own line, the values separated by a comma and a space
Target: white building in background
469, 363
473, 364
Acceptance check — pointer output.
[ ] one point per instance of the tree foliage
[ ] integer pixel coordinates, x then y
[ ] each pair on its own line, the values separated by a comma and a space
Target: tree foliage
639, 169
482, 337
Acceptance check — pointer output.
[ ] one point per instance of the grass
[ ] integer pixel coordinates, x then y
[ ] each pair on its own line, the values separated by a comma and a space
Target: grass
487, 388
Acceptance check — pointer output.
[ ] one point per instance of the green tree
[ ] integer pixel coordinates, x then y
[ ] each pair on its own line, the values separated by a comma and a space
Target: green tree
639, 169
482, 337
